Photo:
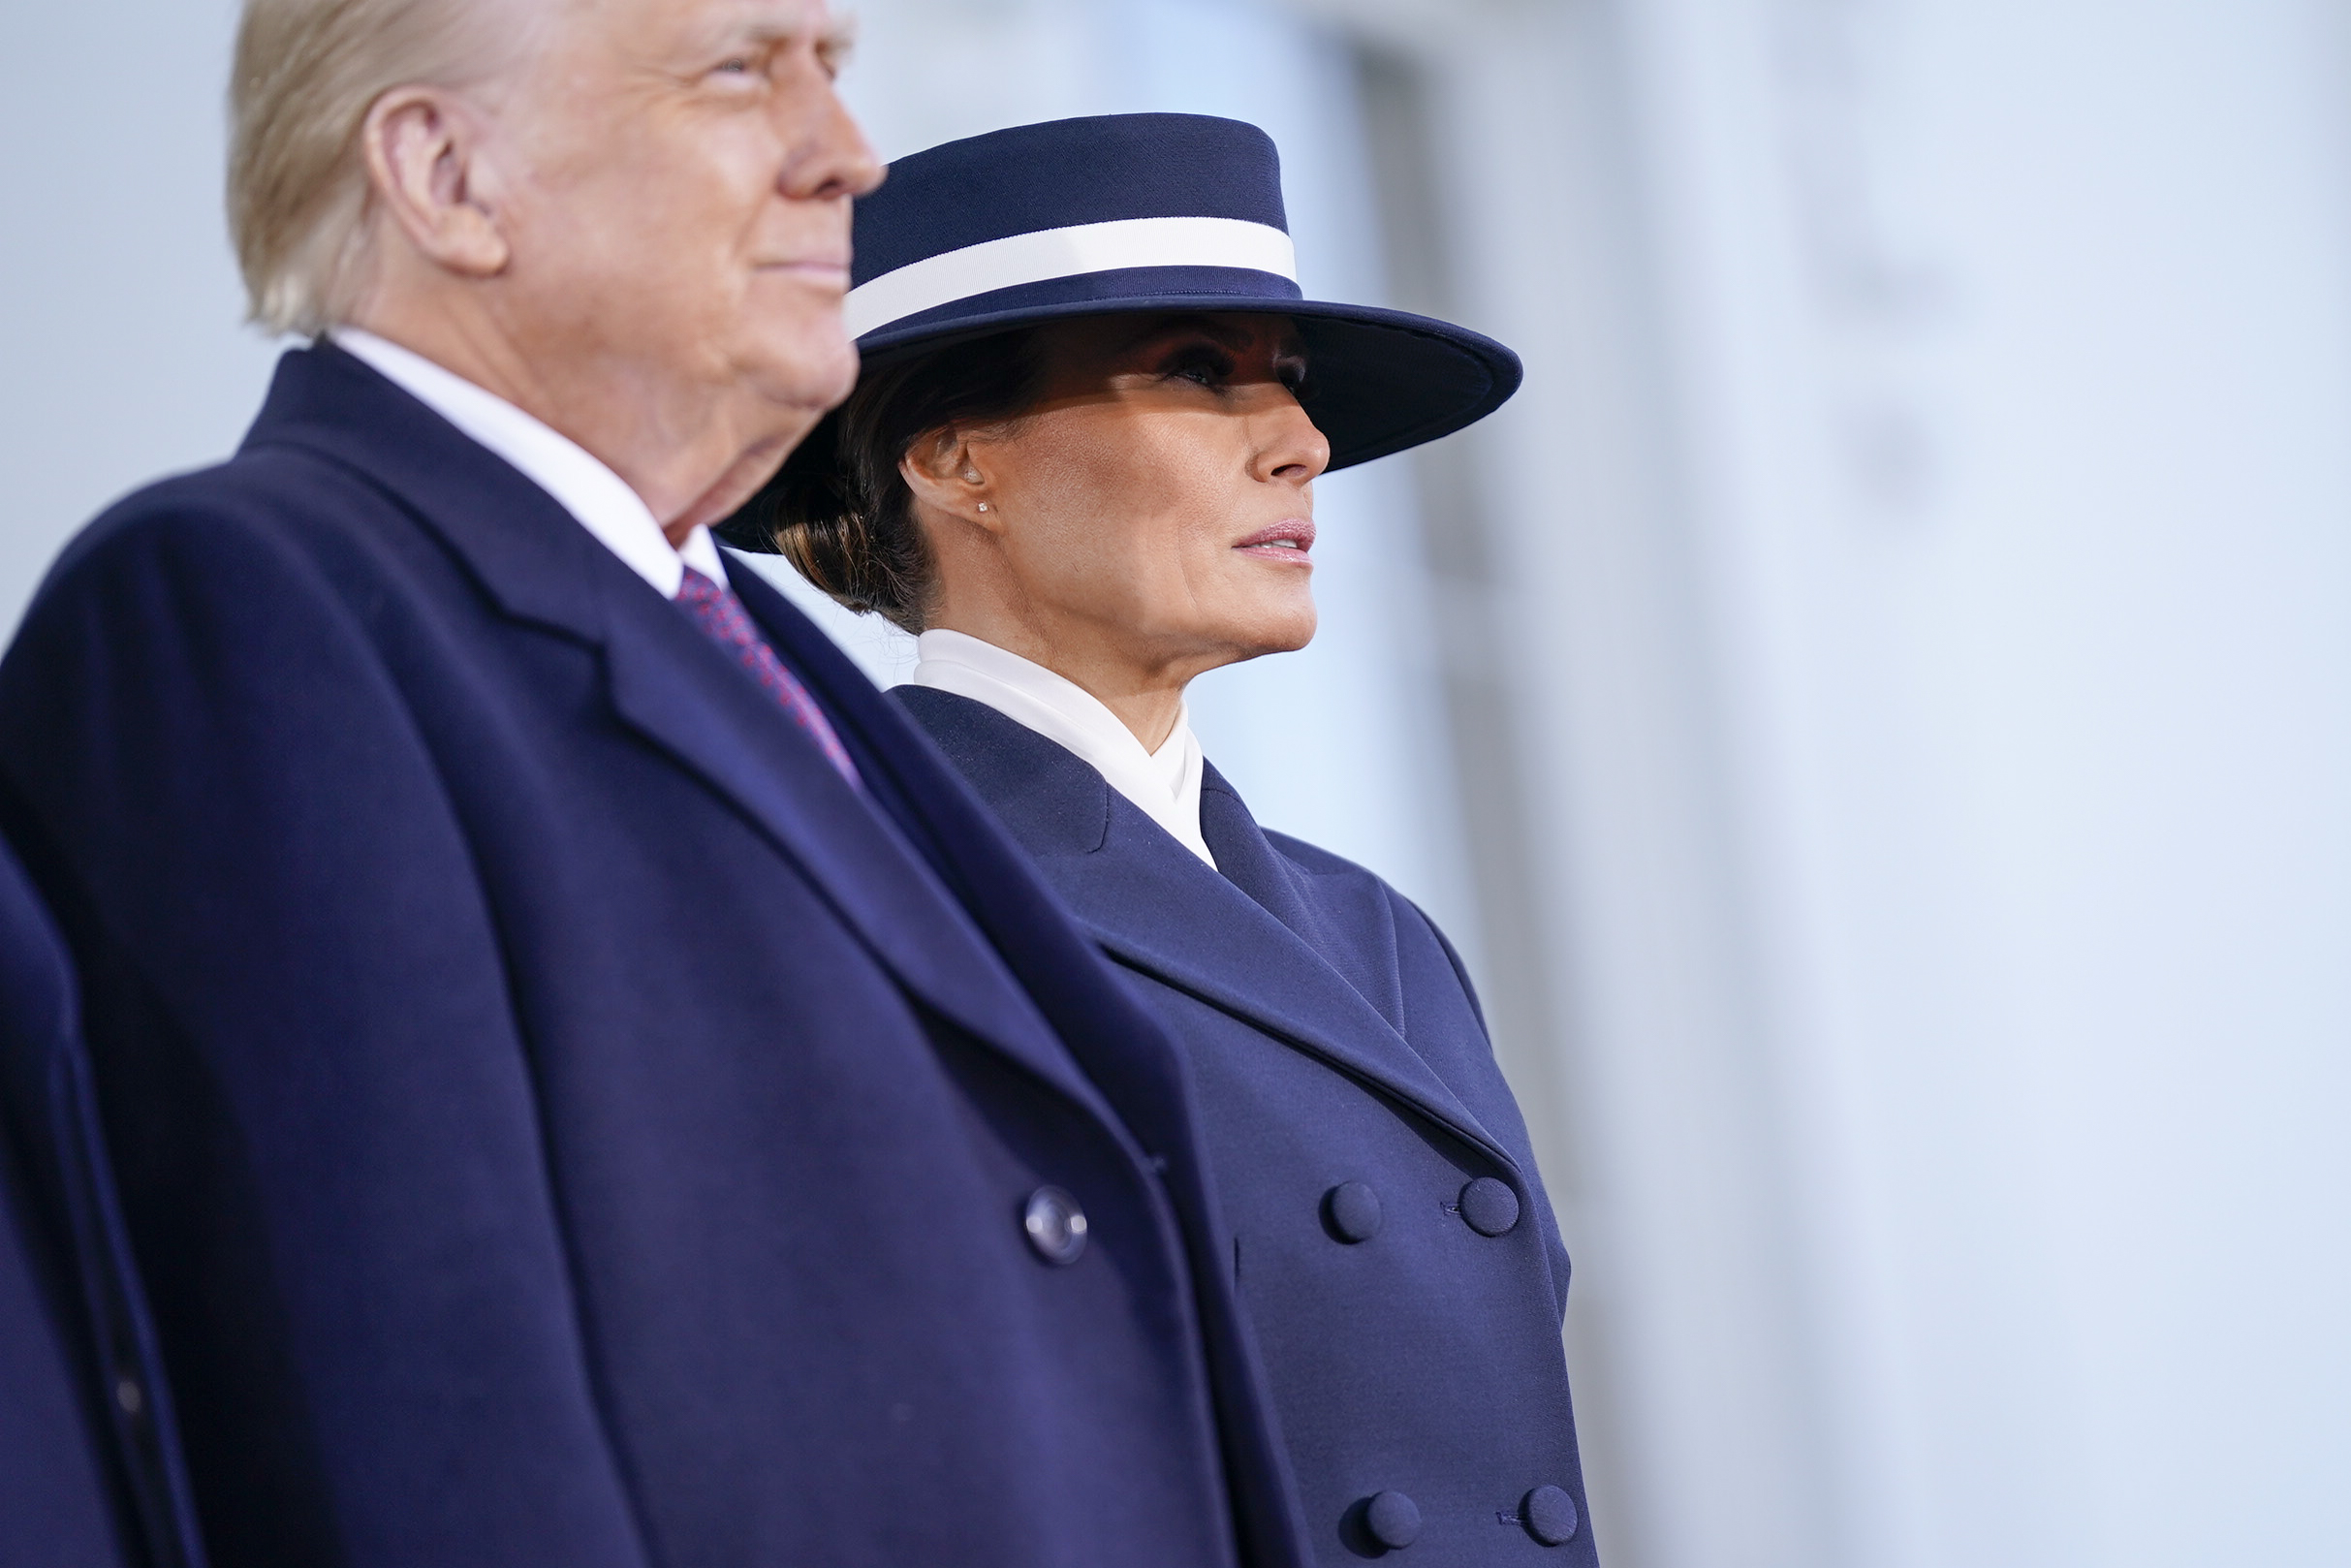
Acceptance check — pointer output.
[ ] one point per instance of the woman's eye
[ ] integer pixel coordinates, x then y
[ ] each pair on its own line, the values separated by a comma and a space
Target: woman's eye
1207, 369
739, 66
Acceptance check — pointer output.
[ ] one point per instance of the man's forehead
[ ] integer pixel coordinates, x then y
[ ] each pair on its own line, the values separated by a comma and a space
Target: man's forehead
811, 20
716, 21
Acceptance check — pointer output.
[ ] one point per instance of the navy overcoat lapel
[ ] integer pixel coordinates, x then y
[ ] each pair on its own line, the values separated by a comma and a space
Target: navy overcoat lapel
1365, 956
1156, 907
666, 680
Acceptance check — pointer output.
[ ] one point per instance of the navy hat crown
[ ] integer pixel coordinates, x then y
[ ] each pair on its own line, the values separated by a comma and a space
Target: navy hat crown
1065, 174
1146, 212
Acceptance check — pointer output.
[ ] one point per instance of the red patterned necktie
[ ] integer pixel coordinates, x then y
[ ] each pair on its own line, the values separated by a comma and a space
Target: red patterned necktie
720, 613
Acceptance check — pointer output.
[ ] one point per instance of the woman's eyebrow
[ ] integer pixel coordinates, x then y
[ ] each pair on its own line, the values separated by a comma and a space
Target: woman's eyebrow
1231, 337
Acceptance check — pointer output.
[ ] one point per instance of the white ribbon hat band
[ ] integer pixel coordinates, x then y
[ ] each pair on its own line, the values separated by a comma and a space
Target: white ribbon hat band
1062, 253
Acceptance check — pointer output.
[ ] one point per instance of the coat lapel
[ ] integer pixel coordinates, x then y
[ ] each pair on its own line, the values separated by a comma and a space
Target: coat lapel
1306, 904
667, 682
1155, 906
675, 687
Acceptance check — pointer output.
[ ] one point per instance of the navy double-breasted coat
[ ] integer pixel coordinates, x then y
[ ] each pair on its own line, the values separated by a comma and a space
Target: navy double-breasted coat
1390, 1238
559, 1118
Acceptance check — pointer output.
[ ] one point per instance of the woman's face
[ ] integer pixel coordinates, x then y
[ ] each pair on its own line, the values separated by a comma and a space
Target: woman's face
1156, 510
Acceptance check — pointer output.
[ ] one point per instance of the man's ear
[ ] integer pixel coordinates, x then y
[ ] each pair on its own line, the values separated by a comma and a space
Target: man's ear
945, 476
423, 151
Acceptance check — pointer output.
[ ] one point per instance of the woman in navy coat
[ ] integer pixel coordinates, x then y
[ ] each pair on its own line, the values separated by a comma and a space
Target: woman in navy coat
1080, 464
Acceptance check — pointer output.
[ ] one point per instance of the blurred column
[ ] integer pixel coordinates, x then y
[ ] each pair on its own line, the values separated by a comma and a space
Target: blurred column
1588, 720
1921, 562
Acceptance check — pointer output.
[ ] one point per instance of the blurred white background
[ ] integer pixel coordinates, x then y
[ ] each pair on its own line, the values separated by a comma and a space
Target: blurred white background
1877, 708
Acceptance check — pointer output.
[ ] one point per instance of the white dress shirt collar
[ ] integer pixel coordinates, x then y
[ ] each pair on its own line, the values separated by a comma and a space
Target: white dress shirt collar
1165, 784
580, 485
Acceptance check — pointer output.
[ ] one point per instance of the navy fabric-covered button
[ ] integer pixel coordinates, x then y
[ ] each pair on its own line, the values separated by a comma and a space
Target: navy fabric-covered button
1056, 1225
1392, 1519
1353, 1211
1549, 1513
1488, 1206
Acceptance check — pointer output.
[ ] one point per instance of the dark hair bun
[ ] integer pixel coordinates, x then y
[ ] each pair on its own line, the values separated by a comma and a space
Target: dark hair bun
839, 509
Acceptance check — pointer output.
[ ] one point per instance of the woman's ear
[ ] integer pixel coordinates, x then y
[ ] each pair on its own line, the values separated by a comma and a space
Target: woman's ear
945, 476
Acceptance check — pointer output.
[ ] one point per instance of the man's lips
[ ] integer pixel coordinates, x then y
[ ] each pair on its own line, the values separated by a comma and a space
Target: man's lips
1288, 539
815, 270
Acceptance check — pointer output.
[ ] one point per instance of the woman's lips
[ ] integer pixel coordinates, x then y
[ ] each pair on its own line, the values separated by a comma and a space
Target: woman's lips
1288, 539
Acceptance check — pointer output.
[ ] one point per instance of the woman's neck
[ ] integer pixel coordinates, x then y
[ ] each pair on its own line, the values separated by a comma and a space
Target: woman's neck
1147, 701
1150, 715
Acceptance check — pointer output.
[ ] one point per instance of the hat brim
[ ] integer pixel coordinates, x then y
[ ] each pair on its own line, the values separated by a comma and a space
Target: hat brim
1377, 381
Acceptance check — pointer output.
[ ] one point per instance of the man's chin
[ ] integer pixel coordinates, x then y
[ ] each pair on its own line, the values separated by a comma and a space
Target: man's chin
814, 369
751, 470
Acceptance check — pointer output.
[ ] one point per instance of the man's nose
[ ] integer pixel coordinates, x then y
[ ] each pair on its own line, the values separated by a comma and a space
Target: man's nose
830, 154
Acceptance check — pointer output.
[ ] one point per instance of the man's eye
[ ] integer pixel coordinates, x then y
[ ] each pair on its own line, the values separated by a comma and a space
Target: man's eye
739, 66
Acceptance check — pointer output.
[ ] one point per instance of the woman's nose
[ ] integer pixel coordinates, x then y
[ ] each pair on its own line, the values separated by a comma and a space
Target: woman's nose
1292, 448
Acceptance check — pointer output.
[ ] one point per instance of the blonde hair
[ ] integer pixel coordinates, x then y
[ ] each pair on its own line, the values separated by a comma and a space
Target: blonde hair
306, 75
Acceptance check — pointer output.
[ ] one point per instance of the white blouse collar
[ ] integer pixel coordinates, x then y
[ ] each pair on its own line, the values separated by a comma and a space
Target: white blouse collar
1165, 784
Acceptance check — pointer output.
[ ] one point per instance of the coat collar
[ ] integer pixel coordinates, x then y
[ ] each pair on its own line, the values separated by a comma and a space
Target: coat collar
665, 678
532, 558
1154, 905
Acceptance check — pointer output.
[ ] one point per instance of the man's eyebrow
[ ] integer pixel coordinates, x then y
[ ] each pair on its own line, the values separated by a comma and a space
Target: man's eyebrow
834, 42
838, 41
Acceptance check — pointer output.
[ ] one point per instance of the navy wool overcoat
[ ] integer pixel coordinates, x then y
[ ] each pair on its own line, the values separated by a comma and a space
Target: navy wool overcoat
560, 1120
1391, 1242
90, 1473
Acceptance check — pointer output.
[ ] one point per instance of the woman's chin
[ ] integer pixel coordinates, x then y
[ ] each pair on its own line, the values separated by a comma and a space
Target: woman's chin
1285, 631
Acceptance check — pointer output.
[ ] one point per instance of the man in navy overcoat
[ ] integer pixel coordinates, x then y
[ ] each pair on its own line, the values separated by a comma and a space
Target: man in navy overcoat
589, 1086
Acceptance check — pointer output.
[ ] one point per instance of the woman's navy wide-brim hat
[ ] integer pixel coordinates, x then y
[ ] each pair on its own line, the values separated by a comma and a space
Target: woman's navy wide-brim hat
1146, 212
